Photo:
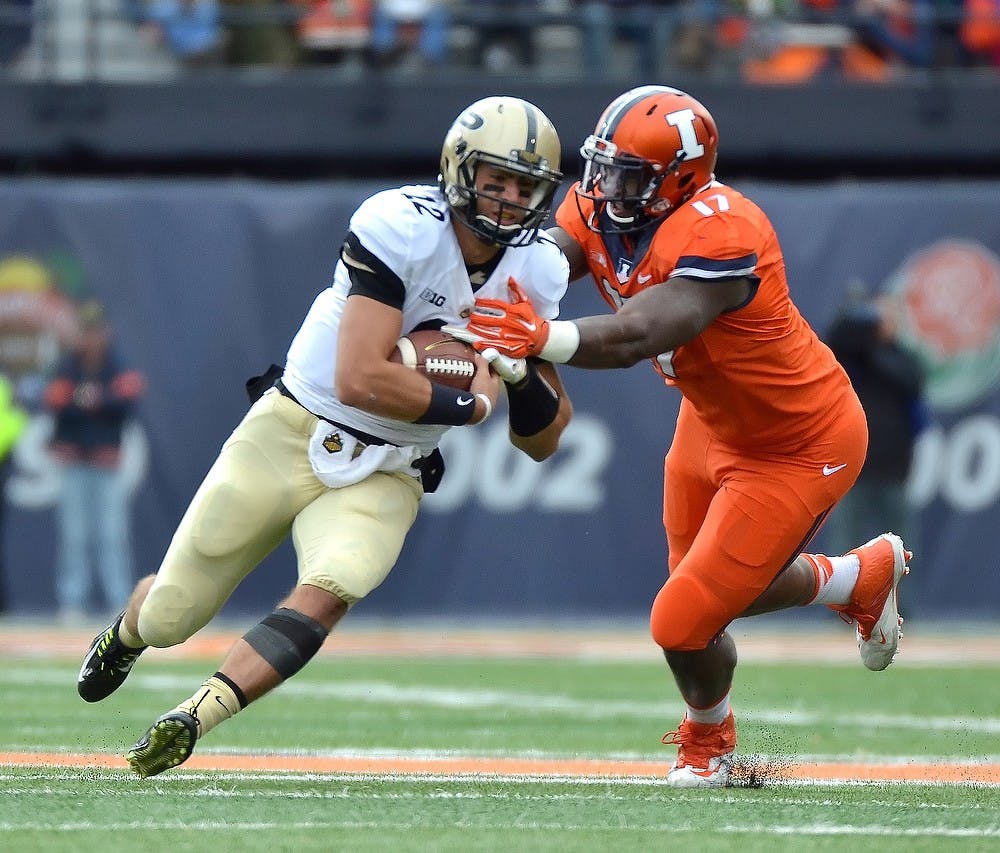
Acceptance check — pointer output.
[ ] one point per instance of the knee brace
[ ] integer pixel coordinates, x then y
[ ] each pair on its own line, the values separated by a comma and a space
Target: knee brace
286, 639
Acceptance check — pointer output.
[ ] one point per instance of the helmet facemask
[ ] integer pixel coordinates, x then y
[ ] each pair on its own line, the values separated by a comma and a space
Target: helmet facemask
523, 228
504, 133
624, 188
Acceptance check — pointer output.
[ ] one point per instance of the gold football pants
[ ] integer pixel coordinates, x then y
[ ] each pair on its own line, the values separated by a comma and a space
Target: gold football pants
260, 488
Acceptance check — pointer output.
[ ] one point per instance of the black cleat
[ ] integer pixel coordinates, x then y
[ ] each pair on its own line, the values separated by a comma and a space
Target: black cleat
106, 665
167, 743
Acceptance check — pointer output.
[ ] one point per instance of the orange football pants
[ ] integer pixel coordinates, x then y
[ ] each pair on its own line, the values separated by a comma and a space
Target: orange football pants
735, 518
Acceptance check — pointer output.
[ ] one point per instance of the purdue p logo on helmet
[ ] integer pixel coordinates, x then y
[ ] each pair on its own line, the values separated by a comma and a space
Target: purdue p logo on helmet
511, 134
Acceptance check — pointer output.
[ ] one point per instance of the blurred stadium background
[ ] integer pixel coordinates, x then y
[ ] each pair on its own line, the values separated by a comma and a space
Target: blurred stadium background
204, 204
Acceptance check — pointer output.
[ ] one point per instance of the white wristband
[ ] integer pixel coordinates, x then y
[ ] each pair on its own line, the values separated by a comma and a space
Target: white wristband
488, 405
563, 342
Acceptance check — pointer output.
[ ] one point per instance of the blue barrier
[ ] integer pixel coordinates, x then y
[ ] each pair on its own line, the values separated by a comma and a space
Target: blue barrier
207, 281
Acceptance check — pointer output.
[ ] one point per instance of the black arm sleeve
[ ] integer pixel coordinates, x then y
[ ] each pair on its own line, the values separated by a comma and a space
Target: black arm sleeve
533, 404
369, 275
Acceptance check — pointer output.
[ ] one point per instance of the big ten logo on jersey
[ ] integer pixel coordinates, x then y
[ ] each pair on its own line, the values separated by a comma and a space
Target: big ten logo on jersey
433, 298
483, 465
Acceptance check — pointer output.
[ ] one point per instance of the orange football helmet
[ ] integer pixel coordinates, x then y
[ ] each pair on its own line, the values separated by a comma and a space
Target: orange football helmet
653, 148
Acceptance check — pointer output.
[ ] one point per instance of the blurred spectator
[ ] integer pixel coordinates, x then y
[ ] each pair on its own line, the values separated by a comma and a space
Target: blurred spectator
261, 33
399, 25
897, 33
889, 381
13, 420
667, 33
332, 30
15, 29
980, 31
504, 34
190, 29
92, 397
871, 40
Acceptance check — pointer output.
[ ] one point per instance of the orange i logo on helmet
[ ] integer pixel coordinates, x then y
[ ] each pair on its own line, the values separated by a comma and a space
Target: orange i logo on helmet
950, 295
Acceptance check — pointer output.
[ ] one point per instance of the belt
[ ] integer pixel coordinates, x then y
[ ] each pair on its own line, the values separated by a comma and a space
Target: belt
431, 467
361, 436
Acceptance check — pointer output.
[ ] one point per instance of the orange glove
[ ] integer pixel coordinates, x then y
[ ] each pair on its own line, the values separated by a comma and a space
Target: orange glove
512, 328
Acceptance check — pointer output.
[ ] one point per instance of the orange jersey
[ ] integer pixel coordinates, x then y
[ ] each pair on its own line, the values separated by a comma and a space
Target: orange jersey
757, 376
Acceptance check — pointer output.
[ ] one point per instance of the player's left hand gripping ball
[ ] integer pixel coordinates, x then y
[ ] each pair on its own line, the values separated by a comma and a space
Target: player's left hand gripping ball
513, 328
511, 370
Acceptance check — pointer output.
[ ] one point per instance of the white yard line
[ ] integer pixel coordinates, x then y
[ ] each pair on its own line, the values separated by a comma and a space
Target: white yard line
386, 693
671, 828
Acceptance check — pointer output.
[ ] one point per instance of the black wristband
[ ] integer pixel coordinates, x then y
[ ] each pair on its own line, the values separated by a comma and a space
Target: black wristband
533, 404
448, 406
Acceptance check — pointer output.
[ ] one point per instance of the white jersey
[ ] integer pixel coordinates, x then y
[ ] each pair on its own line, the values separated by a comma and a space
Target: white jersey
409, 230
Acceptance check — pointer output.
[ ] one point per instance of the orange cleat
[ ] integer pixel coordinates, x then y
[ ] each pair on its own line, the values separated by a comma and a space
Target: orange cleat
705, 756
874, 604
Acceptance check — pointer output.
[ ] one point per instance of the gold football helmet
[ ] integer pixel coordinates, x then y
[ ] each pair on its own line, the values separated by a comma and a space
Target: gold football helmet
516, 136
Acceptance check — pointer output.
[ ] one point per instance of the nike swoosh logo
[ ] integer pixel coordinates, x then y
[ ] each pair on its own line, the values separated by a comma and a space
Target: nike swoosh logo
644, 278
464, 401
529, 326
705, 773
827, 470
351, 261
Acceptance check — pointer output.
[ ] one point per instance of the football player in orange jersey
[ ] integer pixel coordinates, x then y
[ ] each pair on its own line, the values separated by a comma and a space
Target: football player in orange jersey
770, 433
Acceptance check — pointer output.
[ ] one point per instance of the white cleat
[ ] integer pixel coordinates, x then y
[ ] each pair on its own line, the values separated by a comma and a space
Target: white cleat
875, 600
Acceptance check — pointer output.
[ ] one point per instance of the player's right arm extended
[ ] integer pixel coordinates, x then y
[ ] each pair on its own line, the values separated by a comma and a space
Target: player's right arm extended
658, 319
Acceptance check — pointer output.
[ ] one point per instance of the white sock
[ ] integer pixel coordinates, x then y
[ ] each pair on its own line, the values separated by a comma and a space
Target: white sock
835, 577
129, 639
710, 716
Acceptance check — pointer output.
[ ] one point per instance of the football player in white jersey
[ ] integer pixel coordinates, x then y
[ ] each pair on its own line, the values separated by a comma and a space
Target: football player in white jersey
339, 448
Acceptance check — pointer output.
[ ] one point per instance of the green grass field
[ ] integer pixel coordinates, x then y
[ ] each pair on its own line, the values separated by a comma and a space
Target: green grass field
500, 708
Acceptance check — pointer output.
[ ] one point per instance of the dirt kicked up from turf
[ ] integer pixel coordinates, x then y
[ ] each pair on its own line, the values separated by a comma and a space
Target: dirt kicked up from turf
746, 774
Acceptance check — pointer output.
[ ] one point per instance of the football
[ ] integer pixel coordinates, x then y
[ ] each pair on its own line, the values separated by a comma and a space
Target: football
440, 358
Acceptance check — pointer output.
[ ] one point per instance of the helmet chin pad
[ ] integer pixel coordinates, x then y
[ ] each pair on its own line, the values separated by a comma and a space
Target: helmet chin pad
512, 234
619, 220
519, 232
489, 224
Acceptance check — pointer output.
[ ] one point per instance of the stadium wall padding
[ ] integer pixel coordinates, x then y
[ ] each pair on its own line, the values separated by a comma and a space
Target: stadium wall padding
935, 123
206, 281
